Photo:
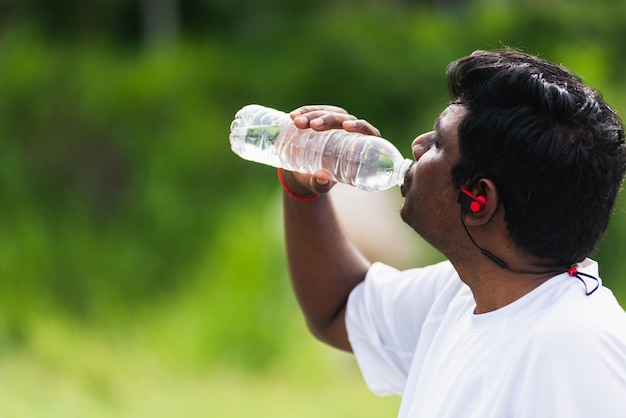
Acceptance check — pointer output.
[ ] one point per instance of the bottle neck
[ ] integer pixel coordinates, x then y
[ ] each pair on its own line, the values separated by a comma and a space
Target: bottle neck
400, 171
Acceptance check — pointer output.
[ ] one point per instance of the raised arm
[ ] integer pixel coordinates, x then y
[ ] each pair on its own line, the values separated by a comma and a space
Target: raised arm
323, 263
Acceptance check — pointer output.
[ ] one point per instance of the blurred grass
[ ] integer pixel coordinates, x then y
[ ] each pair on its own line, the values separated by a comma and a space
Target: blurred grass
141, 263
109, 374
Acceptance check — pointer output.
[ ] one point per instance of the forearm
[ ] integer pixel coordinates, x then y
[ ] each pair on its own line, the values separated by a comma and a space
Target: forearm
323, 264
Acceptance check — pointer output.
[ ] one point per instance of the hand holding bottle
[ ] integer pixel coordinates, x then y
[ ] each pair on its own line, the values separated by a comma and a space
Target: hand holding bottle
323, 118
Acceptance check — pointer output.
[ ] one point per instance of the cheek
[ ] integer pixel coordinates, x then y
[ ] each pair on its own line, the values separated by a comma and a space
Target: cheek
427, 173
433, 187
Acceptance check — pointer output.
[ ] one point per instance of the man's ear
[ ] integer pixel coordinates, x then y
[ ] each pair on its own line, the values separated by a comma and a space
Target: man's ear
479, 202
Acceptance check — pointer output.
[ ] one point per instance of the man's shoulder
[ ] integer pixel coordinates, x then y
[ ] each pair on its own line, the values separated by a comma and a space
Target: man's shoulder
437, 276
574, 319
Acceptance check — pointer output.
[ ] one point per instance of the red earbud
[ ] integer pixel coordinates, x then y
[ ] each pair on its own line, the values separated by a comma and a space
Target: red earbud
470, 202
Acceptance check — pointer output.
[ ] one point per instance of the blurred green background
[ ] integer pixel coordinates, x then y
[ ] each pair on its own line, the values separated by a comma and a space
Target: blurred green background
142, 271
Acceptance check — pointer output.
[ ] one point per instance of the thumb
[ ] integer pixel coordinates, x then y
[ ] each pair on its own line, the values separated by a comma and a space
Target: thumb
321, 182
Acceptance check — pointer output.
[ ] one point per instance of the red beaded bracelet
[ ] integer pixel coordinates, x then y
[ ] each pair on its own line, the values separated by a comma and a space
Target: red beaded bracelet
290, 192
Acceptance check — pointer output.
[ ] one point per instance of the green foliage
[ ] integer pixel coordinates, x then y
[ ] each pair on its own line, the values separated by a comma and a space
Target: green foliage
121, 202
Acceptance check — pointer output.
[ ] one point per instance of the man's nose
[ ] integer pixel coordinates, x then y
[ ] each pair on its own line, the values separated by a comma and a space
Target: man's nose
421, 144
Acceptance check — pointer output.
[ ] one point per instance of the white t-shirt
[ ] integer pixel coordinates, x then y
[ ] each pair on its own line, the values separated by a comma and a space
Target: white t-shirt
555, 352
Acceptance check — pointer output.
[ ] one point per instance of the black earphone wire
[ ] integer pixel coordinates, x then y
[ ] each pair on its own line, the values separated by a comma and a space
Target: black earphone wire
572, 271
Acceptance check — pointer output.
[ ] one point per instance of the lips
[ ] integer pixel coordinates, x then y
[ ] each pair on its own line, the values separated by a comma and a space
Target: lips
408, 177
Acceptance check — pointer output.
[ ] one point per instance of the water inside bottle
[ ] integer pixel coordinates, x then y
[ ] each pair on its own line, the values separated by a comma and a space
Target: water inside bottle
375, 170
256, 143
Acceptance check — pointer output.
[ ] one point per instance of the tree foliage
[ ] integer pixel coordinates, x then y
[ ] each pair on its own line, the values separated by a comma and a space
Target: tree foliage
118, 190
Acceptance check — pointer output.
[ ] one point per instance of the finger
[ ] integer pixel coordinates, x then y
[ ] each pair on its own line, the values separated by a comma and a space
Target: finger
304, 115
360, 126
322, 120
314, 108
320, 182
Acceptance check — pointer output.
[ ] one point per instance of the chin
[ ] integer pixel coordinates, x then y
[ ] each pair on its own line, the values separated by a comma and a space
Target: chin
405, 214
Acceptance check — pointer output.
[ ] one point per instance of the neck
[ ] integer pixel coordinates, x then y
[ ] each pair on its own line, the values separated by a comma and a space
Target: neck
494, 287
503, 272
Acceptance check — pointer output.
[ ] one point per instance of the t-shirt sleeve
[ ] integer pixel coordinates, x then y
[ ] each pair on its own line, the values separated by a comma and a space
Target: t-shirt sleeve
384, 318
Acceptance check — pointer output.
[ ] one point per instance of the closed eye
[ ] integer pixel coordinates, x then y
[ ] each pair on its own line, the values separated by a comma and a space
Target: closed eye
433, 135
432, 140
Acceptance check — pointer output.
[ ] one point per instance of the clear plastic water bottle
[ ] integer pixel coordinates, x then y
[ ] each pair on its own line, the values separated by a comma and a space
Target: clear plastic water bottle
268, 136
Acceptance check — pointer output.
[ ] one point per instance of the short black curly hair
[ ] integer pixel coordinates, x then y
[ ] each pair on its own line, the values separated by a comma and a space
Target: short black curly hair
553, 147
